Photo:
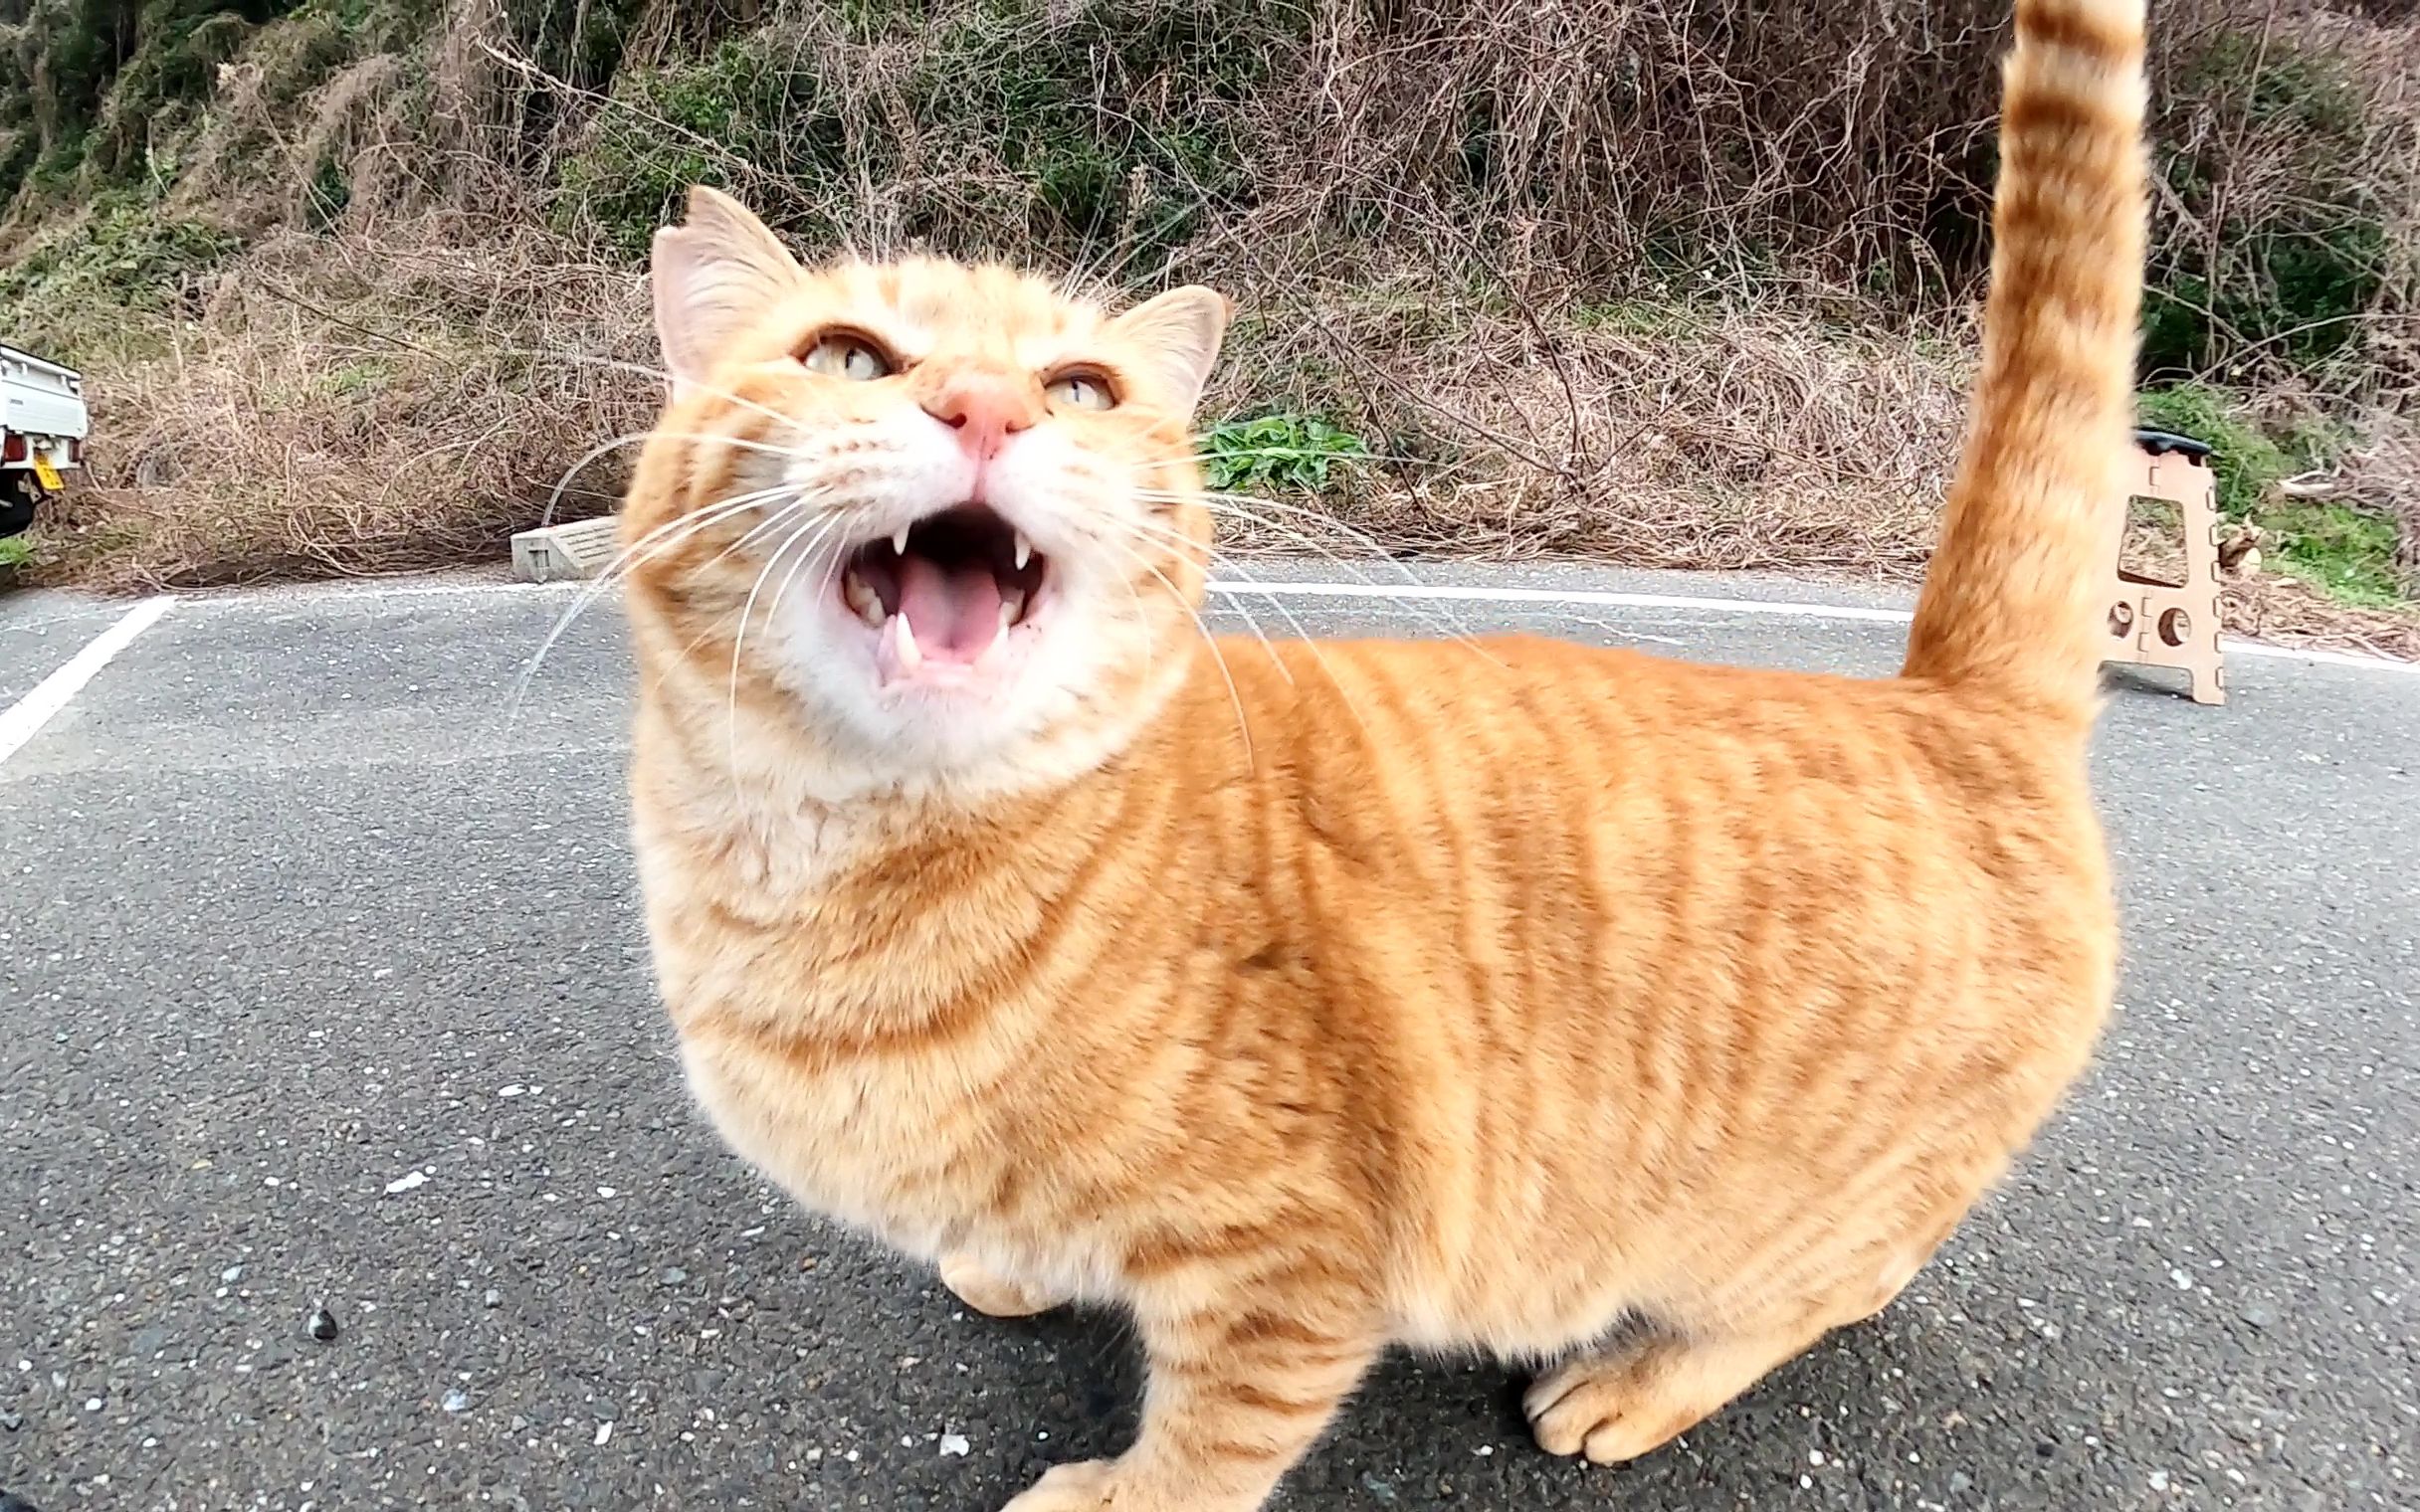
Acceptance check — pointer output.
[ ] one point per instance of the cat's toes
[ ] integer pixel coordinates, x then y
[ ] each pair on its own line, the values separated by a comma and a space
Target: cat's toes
1086, 1487
986, 1292
1606, 1411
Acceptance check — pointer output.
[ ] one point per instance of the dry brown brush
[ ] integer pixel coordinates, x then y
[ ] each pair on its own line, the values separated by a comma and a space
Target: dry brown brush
1664, 280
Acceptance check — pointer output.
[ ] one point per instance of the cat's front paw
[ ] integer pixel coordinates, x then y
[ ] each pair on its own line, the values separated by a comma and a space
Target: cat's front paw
999, 1296
1119, 1485
1088, 1486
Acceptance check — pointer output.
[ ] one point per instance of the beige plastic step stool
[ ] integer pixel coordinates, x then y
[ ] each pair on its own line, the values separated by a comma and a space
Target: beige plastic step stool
2158, 623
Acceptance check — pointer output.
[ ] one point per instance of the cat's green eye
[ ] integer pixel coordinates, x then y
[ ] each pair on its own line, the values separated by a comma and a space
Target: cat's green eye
1082, 391
850, 357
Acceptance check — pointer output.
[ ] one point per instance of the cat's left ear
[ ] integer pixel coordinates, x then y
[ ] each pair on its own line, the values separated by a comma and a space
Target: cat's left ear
715, 275
1179, 333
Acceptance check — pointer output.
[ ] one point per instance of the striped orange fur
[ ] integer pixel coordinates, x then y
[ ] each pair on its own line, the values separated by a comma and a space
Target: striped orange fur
1640, 1019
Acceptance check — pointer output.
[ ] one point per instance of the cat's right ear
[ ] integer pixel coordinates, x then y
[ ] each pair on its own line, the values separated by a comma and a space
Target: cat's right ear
715, 273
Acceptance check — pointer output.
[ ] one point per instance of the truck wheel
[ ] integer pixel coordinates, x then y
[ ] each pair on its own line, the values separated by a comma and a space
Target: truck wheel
17, 498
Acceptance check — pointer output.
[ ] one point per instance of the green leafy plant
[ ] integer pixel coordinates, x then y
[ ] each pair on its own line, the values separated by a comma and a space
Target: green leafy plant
15, 551
2247, 461
1285, 453
2289, 190
2344, 551
2347, 553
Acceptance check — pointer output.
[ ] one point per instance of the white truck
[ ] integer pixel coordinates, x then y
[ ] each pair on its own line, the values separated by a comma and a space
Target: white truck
43, 423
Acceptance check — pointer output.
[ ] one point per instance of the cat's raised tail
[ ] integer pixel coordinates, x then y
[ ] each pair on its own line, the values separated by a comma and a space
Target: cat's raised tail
2016, 593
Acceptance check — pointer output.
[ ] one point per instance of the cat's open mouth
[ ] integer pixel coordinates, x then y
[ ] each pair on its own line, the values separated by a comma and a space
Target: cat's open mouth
947, 591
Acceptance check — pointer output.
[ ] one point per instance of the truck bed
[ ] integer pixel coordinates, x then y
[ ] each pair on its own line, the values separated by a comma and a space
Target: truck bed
39, 398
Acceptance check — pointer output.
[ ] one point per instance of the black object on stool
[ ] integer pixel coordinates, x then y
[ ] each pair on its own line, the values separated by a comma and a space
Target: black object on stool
2161, 442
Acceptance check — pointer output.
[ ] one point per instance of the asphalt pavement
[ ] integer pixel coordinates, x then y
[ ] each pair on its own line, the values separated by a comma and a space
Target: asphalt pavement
323, 987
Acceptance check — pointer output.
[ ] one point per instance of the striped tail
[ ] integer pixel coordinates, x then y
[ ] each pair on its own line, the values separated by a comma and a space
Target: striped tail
2014, 598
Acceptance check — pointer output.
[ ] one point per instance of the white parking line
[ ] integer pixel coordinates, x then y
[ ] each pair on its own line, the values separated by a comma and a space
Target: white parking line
1602, 598
1472, 593
1606, 598
298, 594
20, 720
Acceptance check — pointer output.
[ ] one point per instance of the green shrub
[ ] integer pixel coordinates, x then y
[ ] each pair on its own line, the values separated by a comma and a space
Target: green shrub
2345, 552
989, 131
2248, 464
1284, 454
125, 256
2292, 205
327, 194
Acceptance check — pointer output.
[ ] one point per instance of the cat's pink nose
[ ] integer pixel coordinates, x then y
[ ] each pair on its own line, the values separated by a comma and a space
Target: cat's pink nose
985, 411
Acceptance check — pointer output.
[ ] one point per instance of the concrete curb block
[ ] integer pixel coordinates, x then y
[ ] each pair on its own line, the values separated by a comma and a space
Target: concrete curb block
560, 553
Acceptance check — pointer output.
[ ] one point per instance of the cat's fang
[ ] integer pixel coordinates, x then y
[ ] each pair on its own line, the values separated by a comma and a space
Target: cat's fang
899, 541
1025, 551
1012, 605
862, 598
902, 646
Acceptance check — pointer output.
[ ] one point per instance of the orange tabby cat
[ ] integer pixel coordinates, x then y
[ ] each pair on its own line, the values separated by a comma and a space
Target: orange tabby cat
1641, 1018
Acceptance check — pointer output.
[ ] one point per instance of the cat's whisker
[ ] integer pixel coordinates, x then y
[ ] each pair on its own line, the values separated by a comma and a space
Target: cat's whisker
1271, 454
813, 533
1233, 505
1142, 619
834, 565
1242, 723
646, 548
1318, 653
1227, 504
673, 532
1168, 536
806, 555
1301, 633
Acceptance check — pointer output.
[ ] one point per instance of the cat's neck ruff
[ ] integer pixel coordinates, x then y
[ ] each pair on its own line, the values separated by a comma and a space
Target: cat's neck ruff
803, 800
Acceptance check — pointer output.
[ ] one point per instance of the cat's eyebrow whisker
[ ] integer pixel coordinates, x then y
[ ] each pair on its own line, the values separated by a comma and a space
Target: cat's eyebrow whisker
631, 437
647, 547
661, 375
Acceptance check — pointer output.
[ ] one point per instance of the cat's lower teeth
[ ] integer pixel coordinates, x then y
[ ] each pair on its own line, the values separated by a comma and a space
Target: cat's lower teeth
1012, 605
867, 604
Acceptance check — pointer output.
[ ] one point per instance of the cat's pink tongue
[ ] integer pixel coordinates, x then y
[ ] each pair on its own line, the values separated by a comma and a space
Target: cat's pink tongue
954, 613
